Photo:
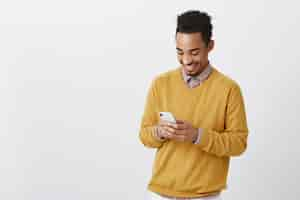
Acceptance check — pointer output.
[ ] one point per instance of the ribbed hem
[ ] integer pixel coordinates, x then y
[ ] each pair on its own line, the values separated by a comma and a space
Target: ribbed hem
171, 193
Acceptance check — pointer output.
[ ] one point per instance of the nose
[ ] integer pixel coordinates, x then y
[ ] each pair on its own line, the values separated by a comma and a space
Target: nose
186, 60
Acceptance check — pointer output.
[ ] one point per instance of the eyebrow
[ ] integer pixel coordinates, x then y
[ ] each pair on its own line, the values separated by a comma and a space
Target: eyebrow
178, 49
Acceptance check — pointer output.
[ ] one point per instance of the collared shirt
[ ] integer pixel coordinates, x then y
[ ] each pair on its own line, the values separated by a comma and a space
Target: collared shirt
194, 81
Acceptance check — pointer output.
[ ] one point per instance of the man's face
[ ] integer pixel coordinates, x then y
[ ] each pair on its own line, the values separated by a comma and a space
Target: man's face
192, 52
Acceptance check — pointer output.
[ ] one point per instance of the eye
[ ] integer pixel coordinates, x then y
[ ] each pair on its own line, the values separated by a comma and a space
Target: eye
195, 53
179, 53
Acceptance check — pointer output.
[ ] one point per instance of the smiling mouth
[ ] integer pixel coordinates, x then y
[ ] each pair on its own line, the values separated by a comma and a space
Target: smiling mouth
190, 68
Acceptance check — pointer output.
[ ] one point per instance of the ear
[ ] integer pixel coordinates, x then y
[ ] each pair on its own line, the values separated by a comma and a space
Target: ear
211, 45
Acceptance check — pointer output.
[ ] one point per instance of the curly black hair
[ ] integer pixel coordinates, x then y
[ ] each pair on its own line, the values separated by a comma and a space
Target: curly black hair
192, 21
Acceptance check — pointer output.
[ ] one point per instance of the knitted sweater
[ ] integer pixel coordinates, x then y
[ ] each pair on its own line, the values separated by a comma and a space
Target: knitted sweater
184, 169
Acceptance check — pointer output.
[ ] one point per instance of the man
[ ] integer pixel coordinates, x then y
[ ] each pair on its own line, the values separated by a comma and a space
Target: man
193, 154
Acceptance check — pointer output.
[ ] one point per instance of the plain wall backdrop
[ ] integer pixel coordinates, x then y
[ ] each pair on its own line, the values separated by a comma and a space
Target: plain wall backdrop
74, 77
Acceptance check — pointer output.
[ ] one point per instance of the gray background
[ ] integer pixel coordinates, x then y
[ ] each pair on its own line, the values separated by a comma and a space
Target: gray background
73, 82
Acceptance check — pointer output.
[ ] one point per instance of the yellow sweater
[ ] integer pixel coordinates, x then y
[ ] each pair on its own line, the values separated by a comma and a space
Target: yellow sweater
184, 169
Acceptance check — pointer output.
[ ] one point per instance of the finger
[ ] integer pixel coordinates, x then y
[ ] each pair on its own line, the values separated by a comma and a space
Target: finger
178, 121
180, 132
172, 125
169, 130
181, 126
166, 133
183, 122
165, 123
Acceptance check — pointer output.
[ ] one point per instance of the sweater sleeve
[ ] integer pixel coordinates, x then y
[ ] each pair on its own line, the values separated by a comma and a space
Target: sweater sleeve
233, 140
149, 121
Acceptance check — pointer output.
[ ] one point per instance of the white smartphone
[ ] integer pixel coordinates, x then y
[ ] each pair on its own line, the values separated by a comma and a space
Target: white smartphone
167, 116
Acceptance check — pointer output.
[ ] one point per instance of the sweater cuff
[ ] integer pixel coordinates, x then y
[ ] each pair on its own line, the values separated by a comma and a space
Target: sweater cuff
197, 141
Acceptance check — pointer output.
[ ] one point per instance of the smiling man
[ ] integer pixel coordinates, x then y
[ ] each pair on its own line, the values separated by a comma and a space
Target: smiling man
193, 154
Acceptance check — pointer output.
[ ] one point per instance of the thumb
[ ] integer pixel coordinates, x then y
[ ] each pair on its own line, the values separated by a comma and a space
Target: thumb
178, 121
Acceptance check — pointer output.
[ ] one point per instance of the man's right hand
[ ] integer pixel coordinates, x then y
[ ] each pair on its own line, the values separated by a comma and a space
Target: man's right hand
164, 130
